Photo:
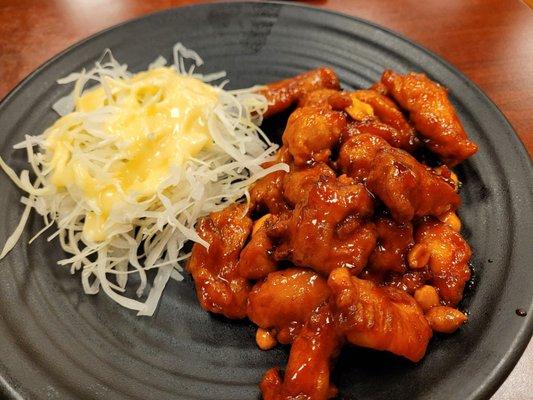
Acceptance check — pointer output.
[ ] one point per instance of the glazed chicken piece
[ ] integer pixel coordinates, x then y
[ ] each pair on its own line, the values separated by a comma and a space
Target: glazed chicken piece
283, 94
219, 287
373, 113
297, 183
357, 155
380, 318
432, 113
266, 195
375, 127
311, 134
380, 88
401, 135
409, 189
393, 244
326, 98
307, 376
256, 259
449, 255
284, 301
319, 98
329, 229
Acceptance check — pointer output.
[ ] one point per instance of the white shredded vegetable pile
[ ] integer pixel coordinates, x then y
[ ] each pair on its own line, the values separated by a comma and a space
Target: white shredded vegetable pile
148, 233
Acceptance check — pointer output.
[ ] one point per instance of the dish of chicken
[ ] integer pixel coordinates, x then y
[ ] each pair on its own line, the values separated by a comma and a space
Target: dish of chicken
359, 244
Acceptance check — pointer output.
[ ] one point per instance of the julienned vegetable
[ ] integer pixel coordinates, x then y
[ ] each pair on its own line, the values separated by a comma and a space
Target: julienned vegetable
132, 164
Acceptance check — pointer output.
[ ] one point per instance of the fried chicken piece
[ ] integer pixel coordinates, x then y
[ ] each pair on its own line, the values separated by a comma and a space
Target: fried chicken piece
357, 155
432, 114
256, 259
329, 229
311, 134
219, 287
409, 189
374, 127
282, 156
326, 98
401, 135
307, 376
297, 183
380, 318
266, 195
394, 242
448, 260
318, 98
380, 88
283, 94
284, 301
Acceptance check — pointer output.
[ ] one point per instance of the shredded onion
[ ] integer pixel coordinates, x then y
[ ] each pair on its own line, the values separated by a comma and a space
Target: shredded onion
147, 234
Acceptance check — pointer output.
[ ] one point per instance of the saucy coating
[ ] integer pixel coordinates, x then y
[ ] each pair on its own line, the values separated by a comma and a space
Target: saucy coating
256, 259
374, 127
283, 94
432, 113
329, 270
380, 88
357, 155
297, 183
328, 230
266, 195
285, 300
380, 318
409, 189
326, 98
411, 280
311, 134
402, 135
307, 376
448, 261
393, 244
219, 287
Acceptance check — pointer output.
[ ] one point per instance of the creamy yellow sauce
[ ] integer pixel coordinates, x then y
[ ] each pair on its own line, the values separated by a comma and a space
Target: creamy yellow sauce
160, 120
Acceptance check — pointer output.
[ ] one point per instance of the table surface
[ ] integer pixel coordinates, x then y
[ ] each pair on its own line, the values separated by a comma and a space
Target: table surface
491, 41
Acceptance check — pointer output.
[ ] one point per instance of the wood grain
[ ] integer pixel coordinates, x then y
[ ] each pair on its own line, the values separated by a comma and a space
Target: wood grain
491, 41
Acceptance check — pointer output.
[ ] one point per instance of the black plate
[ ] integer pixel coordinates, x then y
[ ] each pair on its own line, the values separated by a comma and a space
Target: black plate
58, 343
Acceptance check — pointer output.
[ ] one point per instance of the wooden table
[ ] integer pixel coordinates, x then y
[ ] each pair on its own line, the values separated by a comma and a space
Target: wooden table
491, 41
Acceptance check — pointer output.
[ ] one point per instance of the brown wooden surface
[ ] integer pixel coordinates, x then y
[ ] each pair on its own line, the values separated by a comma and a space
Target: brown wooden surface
491, 41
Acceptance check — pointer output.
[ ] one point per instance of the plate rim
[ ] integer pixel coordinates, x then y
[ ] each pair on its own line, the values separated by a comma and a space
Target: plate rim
513, 354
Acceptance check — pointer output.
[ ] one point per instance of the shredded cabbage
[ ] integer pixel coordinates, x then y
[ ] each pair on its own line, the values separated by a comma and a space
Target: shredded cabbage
146, 233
